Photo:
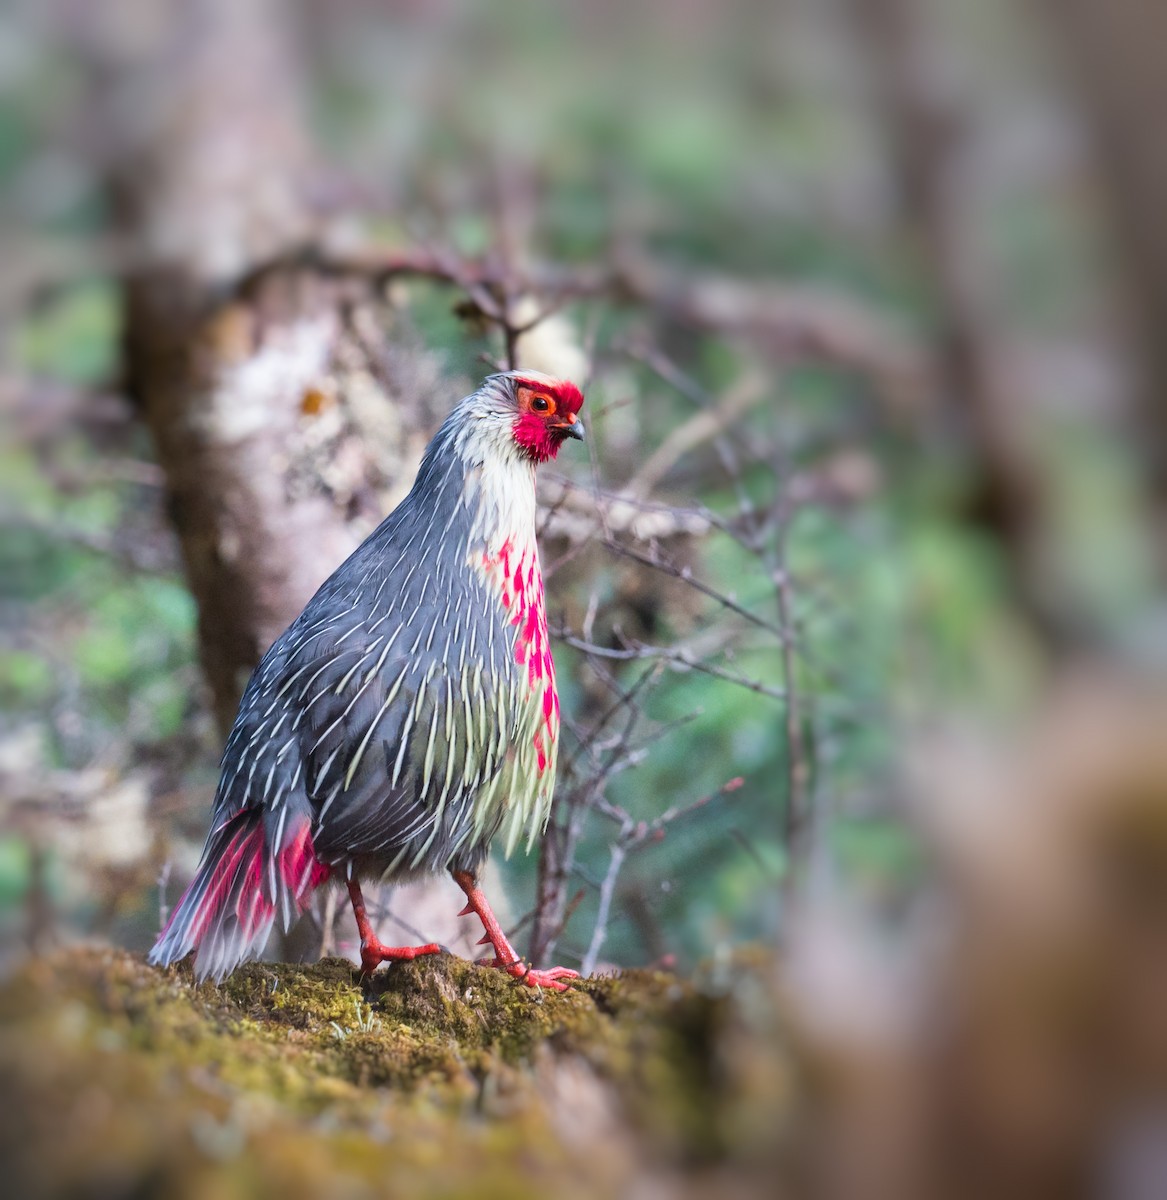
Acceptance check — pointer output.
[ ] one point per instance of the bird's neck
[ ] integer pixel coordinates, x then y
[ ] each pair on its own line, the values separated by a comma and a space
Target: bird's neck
504, 551
502, 499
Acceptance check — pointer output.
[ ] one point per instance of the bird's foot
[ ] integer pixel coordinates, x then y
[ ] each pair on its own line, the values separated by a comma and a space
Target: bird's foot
505, 957
551, 978
374, 953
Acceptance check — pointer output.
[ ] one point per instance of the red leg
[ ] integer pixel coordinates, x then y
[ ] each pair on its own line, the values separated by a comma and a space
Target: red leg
504, 953
373, 951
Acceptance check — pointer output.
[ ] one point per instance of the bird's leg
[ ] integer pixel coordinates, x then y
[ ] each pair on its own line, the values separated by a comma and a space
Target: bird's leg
505, 955
373, 950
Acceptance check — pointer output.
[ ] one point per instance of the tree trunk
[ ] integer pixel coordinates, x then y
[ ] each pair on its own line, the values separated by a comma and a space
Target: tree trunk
204, 168
222, 390
283, 425
1118, 51
923, 125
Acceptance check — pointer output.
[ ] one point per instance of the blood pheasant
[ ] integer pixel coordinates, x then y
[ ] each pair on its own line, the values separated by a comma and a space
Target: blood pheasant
409, 714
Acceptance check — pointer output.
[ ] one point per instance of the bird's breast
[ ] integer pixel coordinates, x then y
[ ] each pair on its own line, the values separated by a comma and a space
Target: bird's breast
515, 581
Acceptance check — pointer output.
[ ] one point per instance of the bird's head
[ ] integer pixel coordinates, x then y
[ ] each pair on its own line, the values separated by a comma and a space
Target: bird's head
530, 413
546, 414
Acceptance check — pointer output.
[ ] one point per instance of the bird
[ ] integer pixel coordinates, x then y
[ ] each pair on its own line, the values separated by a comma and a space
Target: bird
408, 716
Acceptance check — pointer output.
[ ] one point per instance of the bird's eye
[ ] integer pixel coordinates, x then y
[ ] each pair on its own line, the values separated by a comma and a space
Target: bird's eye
541, 404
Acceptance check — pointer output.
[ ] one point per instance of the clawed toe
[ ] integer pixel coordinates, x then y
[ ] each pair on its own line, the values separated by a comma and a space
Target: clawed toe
374, 954
550, 978
532, 977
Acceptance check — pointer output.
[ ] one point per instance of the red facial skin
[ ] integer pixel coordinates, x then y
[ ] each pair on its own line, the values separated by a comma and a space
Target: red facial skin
540, 431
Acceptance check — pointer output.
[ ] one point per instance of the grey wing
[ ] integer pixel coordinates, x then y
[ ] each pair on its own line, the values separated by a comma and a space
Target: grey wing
401, 747
262, 764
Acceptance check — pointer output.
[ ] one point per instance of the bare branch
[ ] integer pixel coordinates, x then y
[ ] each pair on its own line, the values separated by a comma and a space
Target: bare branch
632, 837
685, 574
676, 657
790, 322
798, 813
706, 425
617, 852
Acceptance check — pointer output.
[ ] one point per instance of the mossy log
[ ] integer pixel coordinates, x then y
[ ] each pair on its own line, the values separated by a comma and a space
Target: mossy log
434, 1078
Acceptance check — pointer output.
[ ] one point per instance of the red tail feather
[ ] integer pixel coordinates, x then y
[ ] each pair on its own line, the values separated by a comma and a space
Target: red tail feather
239, 869
228, 911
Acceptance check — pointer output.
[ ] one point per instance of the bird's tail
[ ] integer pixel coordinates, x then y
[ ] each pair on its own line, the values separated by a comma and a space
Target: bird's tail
242, 883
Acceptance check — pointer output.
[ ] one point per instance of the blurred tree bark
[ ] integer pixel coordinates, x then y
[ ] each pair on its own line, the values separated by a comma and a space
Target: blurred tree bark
924, 127
203, 176
240, 355
228, 360
1118, 52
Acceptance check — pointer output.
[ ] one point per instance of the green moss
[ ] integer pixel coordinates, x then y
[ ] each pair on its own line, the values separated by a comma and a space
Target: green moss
285, 1077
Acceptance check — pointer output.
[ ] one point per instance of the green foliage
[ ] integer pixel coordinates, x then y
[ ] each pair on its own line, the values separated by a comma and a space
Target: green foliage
713, 144
74, 337
15, 871
25, 679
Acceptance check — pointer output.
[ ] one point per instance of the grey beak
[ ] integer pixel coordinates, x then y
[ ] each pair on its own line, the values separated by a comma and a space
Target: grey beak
575, 430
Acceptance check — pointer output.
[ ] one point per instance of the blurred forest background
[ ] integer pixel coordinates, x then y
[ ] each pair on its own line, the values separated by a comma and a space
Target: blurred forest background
869, 302
848, 286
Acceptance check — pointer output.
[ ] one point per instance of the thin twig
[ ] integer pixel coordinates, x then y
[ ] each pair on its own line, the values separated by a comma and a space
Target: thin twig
633, 836
679, 659
797, 813
685, 574
617, 852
